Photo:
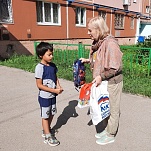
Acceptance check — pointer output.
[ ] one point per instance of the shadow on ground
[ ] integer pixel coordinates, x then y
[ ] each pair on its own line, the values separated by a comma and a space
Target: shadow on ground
68, 112
100, 126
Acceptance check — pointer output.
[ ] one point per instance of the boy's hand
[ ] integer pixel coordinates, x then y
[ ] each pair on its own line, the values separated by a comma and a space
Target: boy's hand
58, 90
59, 87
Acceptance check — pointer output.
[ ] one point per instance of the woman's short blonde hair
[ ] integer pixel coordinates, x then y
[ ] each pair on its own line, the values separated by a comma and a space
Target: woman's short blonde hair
99, 24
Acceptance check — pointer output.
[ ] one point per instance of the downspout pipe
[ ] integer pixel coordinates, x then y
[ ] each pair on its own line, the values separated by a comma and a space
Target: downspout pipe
67, 21
111, 23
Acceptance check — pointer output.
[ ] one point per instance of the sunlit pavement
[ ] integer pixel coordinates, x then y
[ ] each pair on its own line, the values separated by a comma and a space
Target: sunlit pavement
20, 121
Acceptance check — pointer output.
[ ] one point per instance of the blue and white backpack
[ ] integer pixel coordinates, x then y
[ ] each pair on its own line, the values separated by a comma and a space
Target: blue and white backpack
78, 73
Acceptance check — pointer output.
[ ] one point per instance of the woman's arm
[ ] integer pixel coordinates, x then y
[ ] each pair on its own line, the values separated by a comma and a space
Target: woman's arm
84, 60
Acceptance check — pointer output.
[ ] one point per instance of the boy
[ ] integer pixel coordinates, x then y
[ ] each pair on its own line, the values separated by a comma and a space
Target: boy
49, 87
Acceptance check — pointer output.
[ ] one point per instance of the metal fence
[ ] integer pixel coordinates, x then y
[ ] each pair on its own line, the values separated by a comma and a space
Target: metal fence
136, 60
66, 52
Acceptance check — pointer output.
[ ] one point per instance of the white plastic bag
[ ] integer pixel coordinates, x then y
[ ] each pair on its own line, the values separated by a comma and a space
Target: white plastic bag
99, 102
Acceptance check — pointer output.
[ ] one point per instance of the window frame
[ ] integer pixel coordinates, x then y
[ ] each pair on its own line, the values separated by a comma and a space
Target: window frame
79, 17
147, 9
44, 22
121, 17
10, 19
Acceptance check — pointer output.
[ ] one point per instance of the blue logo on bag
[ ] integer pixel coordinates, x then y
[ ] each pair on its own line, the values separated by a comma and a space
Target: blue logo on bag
103, 102
104, 106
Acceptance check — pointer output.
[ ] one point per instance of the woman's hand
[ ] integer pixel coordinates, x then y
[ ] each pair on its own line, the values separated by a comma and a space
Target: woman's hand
97, 80
84, 60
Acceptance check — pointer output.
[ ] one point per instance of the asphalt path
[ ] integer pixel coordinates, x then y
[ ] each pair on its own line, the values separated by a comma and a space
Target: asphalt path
20, 121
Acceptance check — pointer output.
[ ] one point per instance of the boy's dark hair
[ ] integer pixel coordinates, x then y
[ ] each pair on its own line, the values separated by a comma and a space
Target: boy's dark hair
42, 48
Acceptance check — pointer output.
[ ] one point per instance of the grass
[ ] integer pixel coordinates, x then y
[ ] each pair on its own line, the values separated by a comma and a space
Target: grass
132, 83
137, 85
23, 62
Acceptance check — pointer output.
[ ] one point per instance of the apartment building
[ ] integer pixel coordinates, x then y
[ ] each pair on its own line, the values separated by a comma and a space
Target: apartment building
24, 21
144, 20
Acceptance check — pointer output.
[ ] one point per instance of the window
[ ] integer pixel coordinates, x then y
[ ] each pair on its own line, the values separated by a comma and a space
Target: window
147, 9
48, 13
6, 11
132, 23
80, 16
102, 14
119, 21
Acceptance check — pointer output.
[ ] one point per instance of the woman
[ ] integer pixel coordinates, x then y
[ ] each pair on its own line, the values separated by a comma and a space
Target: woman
106, 62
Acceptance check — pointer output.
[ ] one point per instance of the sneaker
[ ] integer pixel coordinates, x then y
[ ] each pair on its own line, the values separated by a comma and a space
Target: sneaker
105, 140
99, 135
52, 141
52, 132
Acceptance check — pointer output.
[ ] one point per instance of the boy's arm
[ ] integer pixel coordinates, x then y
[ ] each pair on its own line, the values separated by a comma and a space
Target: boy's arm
45, 88
58, 85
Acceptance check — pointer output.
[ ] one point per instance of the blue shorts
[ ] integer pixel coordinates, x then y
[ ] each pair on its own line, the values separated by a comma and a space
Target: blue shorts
48, 107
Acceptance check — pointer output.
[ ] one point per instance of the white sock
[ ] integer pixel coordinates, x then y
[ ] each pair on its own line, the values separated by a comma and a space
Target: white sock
48, 135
